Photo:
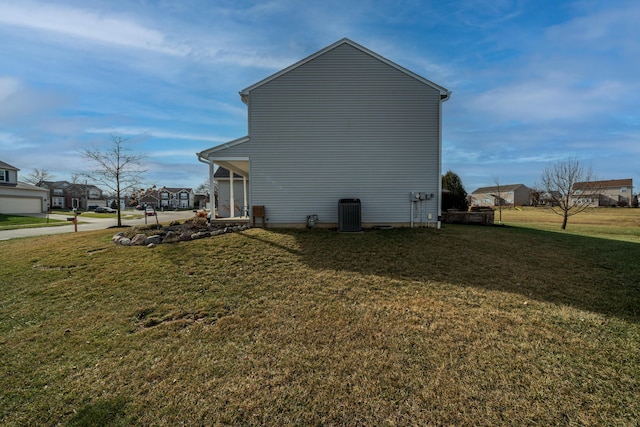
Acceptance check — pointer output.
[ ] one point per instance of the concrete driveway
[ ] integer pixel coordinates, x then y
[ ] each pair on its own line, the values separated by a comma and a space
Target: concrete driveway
88, 224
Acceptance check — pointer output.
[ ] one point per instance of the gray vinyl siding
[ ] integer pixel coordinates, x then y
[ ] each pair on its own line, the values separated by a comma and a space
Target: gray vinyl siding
343, 125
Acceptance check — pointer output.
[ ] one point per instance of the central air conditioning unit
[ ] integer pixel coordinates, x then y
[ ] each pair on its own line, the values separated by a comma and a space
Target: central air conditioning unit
349, 215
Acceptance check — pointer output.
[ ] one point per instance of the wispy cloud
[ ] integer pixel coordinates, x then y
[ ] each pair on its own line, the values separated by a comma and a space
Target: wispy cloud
86, 24
20, 102
156, 133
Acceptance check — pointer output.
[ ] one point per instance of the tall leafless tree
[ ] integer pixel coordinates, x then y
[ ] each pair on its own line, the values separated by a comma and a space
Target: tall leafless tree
570, 186
115, 168
38, 177
498, 195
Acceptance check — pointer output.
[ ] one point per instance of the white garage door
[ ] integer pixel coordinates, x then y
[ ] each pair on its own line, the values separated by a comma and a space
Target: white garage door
18, 205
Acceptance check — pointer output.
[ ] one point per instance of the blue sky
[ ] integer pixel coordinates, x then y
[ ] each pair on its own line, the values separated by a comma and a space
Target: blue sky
533, 81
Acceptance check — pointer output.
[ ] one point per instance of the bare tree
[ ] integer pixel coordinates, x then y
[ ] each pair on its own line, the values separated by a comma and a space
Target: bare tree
498, 195
38, 177
570, 186
115, 168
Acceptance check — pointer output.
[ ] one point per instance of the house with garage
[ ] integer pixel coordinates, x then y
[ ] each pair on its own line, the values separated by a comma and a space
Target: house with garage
19, 197
503, 195
611, 192
74, 195
344, 127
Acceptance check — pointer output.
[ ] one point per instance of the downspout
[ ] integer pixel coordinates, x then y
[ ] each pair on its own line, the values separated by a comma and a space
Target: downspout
208, 162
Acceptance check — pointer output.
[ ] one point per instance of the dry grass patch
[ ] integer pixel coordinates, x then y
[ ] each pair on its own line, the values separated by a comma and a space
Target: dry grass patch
607, 223
460, 326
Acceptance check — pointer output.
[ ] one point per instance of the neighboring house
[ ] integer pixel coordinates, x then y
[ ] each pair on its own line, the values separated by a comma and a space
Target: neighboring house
67, 195
613, 192
343, 123
19, 197
150, 198
511, 195
176, 198
200, 201
169, 198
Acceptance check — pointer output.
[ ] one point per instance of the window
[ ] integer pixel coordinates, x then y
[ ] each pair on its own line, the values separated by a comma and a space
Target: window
184, 196
4, 175
165, 196
623, 189
58, 192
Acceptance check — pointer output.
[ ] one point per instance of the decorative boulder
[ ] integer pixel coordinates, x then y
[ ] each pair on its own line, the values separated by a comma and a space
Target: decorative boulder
125, 241
171, 237
153, 239
138, 240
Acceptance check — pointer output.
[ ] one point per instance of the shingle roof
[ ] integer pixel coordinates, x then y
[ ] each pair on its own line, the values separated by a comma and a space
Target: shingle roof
494, 189
224, 173
605, 184
4, 165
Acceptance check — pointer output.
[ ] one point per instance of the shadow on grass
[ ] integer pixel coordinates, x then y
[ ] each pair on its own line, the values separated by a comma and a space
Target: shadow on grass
103, 412
588, 273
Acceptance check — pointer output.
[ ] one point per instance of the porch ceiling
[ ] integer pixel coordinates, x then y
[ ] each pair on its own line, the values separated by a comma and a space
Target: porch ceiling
241, 167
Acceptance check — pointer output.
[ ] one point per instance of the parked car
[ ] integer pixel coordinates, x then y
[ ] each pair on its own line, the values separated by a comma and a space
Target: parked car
150, 211
105, 209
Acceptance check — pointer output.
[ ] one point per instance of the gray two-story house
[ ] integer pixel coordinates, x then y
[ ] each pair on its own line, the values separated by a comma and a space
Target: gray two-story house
343, 123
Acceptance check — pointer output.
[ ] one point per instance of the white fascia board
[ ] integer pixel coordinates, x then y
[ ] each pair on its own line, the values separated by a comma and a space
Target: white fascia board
208, 152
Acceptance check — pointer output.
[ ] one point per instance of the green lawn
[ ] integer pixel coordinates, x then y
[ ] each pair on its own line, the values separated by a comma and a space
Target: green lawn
10, 222
466, 325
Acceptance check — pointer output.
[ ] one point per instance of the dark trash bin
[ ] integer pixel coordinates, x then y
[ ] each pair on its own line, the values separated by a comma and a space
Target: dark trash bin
349, 215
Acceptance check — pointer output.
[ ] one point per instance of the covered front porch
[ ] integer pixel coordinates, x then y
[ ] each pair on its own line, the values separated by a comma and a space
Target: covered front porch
231, 173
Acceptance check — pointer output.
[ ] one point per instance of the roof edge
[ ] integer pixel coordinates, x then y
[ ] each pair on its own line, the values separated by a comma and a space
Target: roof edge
444, 93
223, 146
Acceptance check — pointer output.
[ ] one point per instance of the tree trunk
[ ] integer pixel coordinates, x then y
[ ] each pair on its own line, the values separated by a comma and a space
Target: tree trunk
564, 221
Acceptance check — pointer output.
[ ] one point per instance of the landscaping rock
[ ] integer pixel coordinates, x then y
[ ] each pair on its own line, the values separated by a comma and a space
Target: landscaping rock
200, 235
139, 239
125, 241
174, 232
153, 239
184, 237
170, 237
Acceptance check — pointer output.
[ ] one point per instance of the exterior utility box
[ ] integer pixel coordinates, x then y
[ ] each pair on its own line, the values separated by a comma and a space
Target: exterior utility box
349, 215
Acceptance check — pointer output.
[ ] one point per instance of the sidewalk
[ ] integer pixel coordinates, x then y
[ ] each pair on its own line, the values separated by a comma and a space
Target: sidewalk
88, 224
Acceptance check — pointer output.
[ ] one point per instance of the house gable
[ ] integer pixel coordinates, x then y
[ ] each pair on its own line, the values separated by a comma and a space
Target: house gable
342, 123
8, 174
345, 41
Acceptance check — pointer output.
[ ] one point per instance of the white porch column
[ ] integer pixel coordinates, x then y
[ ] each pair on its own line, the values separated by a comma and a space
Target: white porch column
232, 200
244, 192
212, 197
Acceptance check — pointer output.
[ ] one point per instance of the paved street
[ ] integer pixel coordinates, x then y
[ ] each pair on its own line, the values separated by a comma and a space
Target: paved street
87, 224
